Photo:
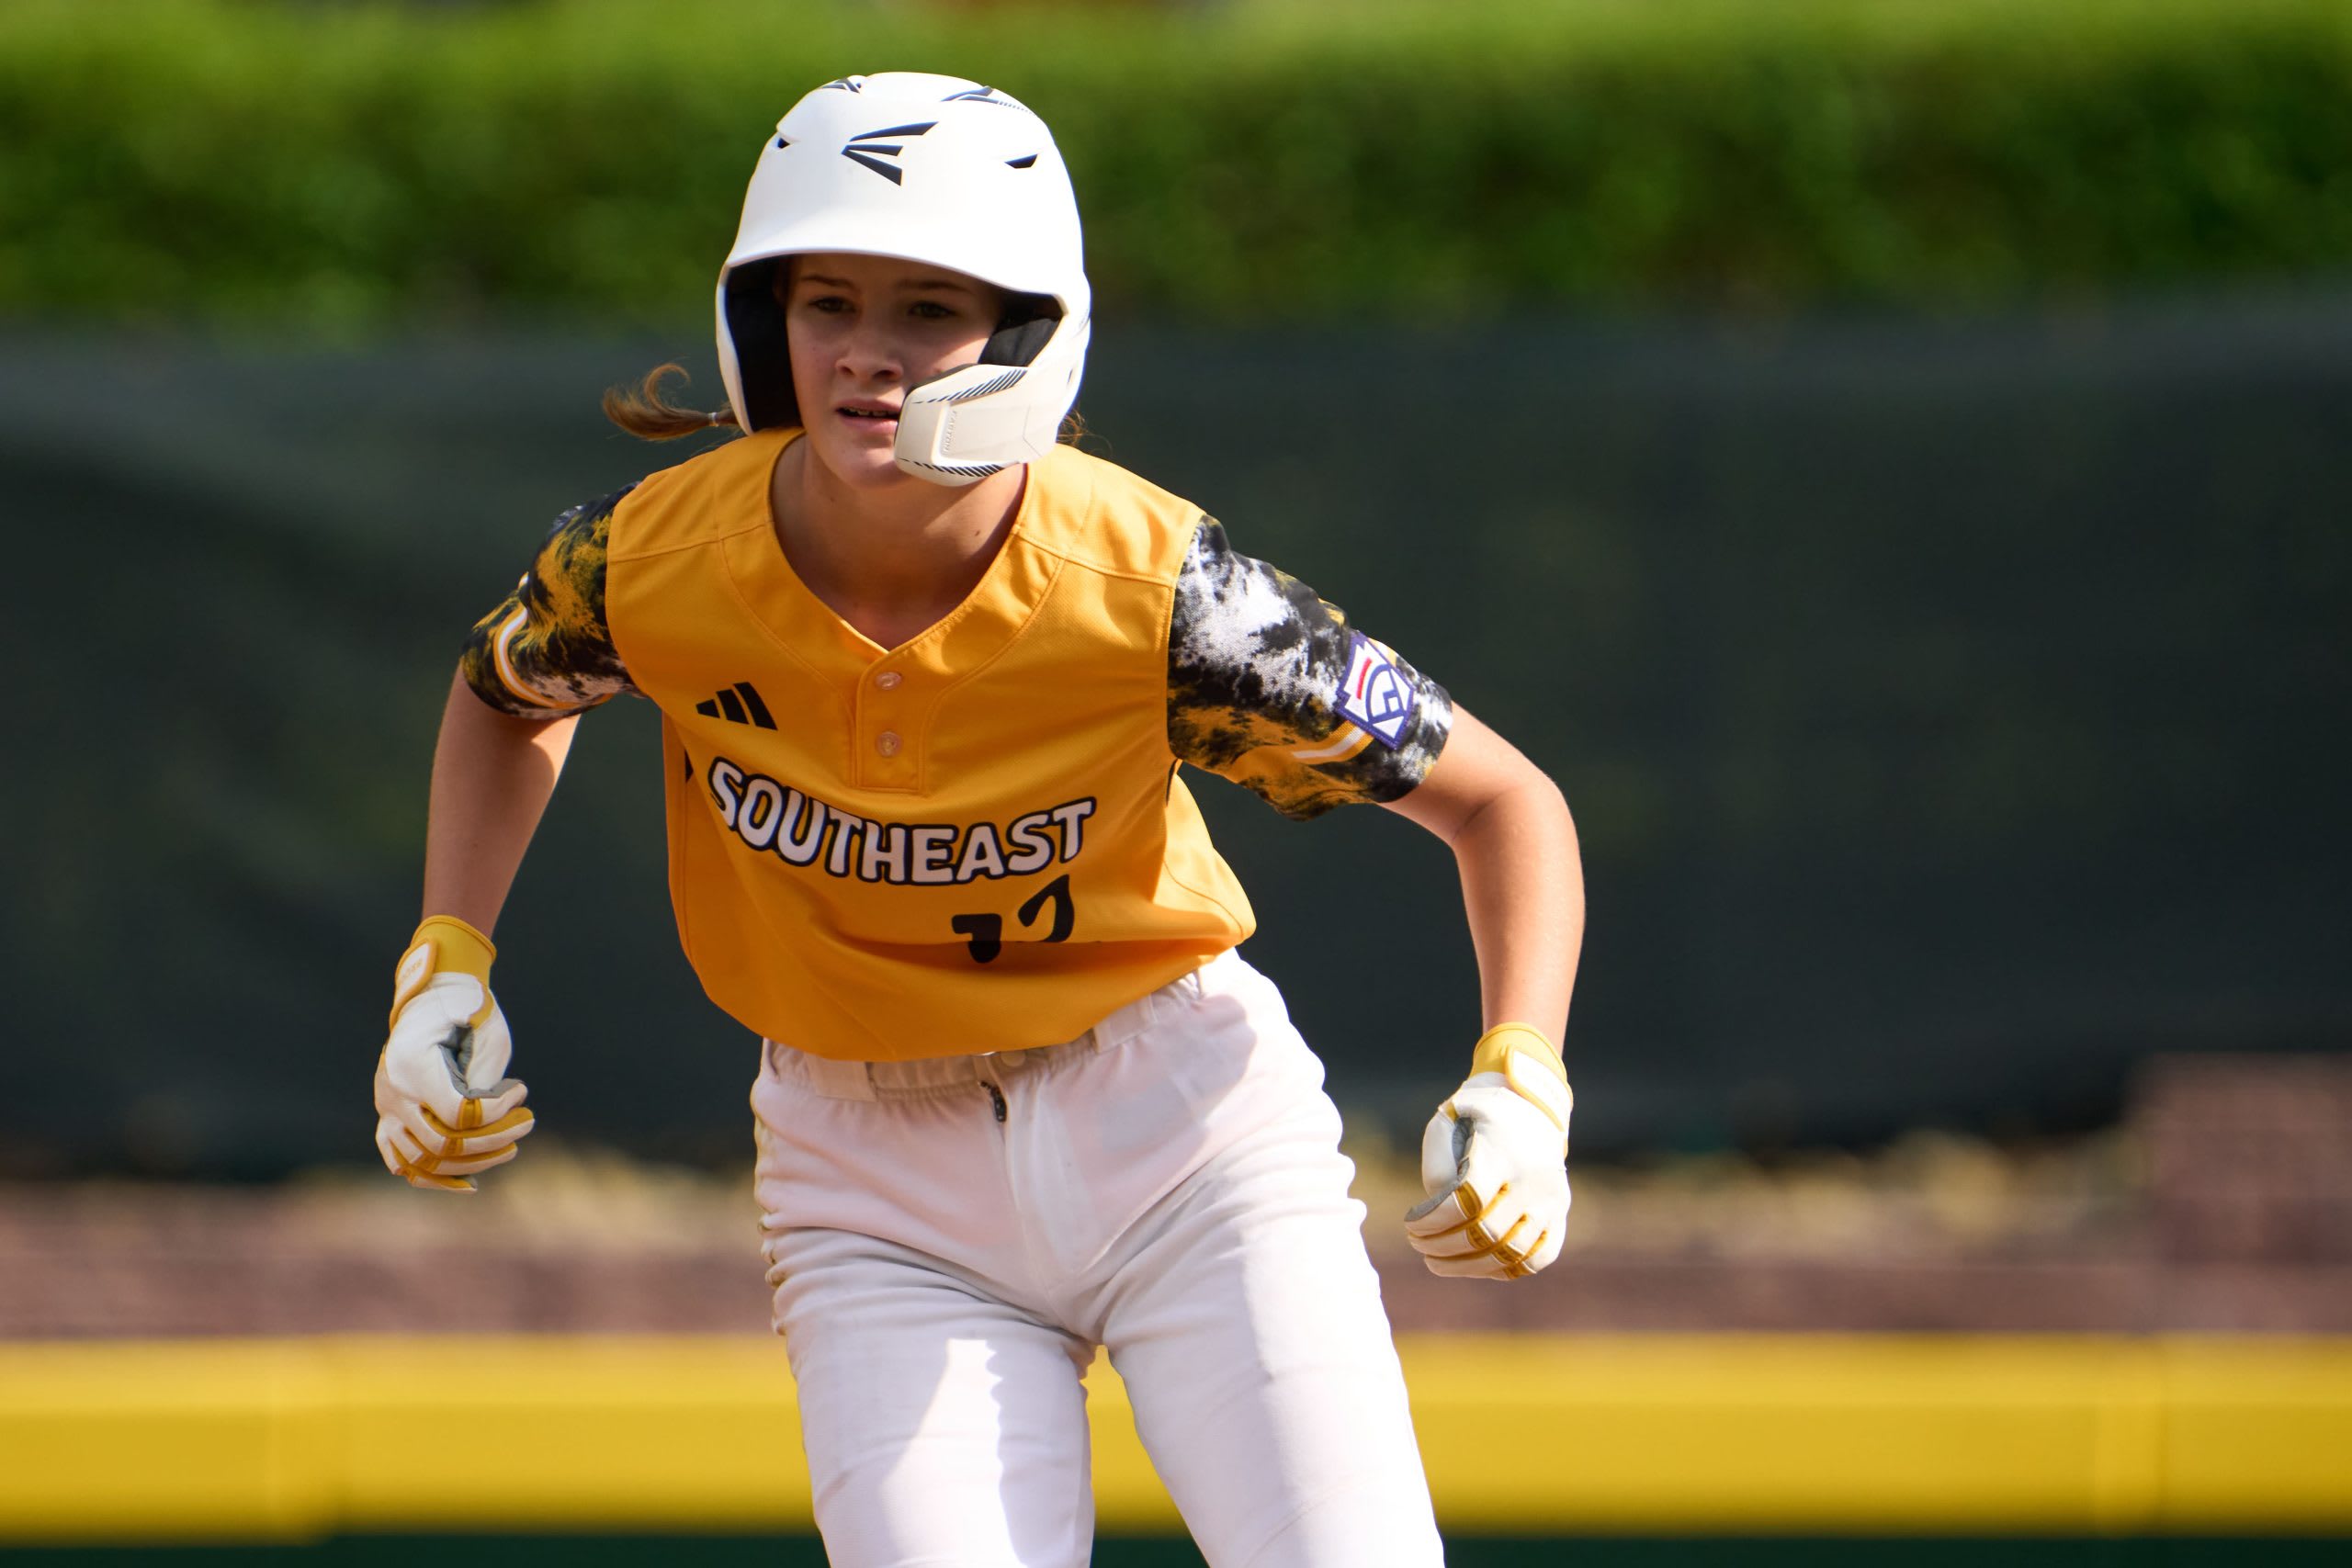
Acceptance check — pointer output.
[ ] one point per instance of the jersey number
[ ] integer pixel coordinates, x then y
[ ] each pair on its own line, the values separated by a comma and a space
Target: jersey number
985, 933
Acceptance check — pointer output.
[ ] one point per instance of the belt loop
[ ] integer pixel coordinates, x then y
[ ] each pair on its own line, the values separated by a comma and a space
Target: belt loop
823, 1076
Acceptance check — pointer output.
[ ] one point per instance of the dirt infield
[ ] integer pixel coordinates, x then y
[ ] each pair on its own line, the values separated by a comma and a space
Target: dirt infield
2223, 1204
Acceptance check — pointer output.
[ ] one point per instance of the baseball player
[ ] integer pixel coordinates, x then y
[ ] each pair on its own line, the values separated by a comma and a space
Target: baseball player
927, 680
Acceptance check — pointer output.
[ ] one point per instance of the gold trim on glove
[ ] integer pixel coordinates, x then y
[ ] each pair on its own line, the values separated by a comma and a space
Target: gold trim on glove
443, 944
1517, 1051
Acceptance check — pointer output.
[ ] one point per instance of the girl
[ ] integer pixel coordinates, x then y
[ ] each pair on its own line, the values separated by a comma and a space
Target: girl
926, 680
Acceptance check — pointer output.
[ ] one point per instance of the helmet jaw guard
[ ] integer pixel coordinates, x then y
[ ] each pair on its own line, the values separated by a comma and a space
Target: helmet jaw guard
932, 169
959, 428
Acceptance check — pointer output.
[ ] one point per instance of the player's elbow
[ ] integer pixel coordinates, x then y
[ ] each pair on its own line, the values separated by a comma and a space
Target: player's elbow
1478, 772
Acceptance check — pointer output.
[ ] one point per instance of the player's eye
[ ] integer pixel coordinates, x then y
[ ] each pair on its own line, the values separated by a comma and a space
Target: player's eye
827, 304
932, 310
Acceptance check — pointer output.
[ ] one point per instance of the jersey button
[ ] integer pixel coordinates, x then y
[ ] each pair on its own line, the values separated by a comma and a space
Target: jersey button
886, 743
888, 679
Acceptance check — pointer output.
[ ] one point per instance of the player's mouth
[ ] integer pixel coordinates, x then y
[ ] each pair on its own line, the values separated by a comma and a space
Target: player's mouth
872, 414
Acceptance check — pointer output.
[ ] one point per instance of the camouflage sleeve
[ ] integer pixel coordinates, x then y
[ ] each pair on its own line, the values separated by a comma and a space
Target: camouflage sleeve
1269, 686
545, 651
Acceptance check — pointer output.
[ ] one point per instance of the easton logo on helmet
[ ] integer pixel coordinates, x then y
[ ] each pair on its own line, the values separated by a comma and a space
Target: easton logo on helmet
869, 149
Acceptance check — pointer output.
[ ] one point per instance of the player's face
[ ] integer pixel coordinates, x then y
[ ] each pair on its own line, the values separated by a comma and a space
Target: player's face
861, 330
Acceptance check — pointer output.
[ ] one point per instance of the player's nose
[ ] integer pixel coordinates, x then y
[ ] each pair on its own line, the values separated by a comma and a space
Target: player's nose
869, 353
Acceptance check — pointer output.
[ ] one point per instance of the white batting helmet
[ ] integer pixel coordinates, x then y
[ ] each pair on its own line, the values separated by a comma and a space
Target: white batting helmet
931, 169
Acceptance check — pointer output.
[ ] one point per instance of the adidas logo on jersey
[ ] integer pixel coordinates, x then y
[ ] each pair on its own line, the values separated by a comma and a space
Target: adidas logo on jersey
738, 704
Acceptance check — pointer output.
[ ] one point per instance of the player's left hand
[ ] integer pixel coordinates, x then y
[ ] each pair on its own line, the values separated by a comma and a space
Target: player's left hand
1494, 1162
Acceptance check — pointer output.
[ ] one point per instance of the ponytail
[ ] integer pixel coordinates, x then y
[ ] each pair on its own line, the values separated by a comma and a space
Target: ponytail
646, 413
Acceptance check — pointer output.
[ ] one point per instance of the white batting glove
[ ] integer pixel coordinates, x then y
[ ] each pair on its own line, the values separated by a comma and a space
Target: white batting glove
1494, 1162
445, 1110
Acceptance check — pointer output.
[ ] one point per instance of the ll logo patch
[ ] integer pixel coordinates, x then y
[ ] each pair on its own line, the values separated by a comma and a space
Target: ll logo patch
1377, 697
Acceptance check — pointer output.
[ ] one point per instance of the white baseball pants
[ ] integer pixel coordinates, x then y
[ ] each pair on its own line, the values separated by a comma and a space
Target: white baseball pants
949, 1239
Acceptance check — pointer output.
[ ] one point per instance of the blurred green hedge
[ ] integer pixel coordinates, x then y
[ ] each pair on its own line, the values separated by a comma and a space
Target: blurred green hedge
349, 168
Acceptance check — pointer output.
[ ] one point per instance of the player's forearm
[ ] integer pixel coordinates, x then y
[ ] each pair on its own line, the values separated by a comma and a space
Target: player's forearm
492, 778
1523, 887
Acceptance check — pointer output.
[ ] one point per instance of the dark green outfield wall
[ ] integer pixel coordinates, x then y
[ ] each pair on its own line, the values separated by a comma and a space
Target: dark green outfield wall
345, 166
1954, 712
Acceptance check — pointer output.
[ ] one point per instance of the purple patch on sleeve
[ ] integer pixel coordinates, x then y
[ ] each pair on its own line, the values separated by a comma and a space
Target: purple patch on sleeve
1376, 698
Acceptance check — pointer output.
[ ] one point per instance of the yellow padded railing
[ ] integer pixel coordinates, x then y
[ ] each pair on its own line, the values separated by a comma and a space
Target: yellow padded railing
292, 1439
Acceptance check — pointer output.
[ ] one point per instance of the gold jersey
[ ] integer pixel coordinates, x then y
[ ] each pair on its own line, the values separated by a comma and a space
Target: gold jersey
977, 840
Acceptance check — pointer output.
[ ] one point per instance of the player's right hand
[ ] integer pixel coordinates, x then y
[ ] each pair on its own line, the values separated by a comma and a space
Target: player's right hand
445, 1110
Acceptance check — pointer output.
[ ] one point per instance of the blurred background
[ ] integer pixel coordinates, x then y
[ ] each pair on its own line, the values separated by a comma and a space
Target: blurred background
1890, 460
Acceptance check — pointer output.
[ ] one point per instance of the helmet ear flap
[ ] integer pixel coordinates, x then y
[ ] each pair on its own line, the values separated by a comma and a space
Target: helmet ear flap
763, 362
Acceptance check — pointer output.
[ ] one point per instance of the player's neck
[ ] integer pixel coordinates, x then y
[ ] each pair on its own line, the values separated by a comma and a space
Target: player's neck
890, 560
